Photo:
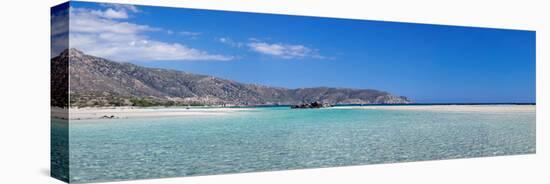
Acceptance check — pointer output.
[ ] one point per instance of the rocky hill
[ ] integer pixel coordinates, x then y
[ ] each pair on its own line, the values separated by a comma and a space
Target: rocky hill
96, 81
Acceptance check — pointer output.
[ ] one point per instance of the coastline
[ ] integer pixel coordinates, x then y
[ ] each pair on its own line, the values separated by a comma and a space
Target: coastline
93, 113
490, 108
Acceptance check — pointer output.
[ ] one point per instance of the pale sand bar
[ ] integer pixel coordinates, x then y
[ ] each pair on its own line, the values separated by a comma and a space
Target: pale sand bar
131, 112
450, 108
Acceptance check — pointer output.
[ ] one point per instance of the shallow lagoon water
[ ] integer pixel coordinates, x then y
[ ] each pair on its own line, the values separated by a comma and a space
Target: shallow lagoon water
278, 138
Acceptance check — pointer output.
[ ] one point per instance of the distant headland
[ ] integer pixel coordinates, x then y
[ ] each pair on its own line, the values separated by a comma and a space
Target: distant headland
98, 82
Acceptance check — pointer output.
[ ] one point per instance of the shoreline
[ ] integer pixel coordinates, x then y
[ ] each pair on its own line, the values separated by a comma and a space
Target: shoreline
498, 108
146, 112
98, 113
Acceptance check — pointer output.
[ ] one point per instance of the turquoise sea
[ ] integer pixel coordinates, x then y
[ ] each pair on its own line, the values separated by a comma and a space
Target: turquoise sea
280, 138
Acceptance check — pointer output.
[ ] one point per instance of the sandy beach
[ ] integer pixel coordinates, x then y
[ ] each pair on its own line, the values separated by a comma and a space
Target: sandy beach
132, 112
450, 108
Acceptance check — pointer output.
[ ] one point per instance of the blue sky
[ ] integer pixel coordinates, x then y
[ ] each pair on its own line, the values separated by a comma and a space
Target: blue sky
427, 63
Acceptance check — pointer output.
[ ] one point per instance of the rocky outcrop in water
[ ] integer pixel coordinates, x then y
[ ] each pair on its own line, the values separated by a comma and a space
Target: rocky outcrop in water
313, 105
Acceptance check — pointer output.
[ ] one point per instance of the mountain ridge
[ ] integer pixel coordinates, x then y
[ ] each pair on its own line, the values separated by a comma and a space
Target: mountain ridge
96, 81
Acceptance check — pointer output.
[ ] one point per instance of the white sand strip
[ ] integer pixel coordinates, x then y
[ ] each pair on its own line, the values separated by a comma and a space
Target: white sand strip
128, 112
450, 108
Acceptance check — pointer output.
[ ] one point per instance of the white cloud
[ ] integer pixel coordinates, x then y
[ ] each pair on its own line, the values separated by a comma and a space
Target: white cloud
103, 33
192, 35
188, 33
132, 48
111, 13
285, 51
230, 42
125, 7
59, 23
59, 34
90, 21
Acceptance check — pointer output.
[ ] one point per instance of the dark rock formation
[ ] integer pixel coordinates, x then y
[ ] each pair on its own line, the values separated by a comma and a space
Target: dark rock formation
313, 105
